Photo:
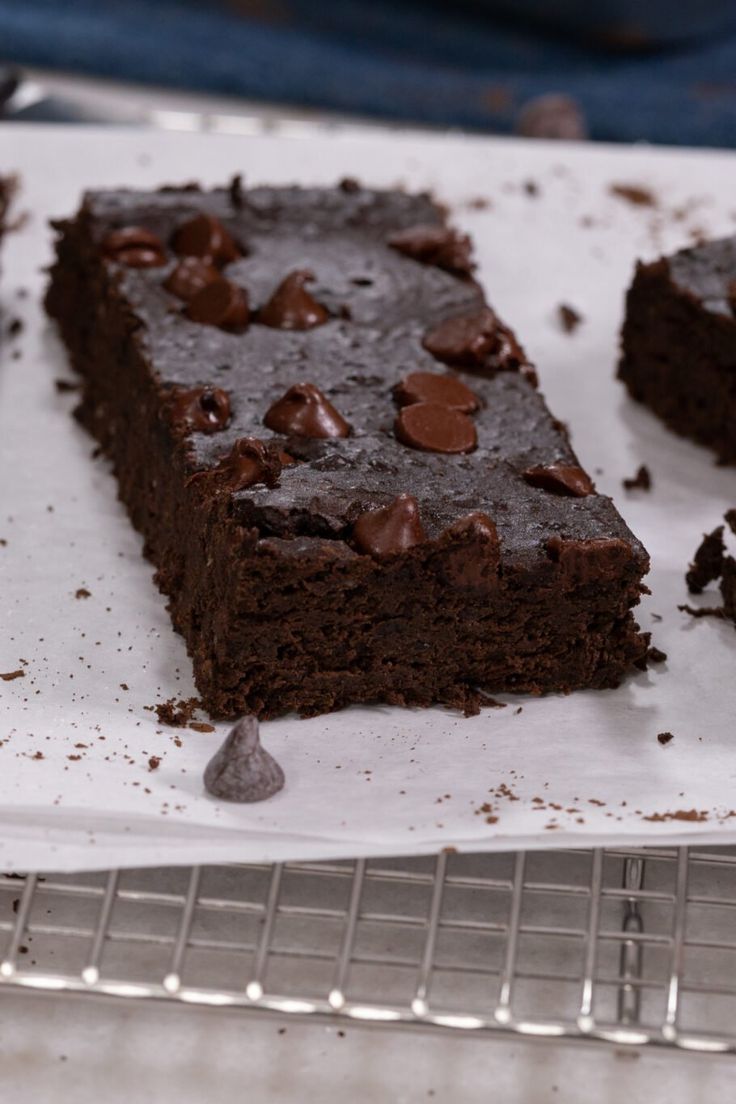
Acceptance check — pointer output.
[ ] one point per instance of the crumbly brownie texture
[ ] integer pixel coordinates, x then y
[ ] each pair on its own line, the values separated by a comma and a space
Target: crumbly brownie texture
679, 343
712, 562
350, 488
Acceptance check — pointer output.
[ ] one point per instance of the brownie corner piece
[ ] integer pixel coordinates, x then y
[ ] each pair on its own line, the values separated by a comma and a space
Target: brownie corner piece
347, 481
678, 343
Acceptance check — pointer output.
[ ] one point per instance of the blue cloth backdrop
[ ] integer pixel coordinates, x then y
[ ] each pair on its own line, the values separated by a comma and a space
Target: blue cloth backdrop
440, 64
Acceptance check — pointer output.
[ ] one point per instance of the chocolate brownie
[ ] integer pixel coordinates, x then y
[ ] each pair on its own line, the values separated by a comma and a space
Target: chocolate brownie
335, 450
679, 343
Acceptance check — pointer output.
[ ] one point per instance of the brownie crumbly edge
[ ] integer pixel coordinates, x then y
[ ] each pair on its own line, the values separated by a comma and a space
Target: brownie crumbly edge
679, 343
281, 614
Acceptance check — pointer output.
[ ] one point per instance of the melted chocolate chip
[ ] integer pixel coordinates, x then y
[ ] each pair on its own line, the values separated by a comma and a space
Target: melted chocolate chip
435, 245
560, 479
190, 276
432, 427
431, 387
291, 307
462, 564
249, 461
242, 770
200, 409
589, 561
204, 236
389, 529
222, 304
134, 247
305, 412
466, 339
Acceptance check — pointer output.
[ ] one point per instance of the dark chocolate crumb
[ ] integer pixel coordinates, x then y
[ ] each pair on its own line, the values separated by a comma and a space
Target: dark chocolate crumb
569, 318
177, 713
642, 481
635, 194
704, 611
707, 563
154, 762
82, 592
665, 737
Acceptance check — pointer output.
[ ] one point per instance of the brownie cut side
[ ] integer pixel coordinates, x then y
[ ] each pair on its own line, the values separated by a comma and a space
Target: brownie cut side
679, 343
336, 453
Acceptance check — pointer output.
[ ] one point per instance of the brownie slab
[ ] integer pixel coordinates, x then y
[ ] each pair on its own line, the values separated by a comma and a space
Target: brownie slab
679, 343
344, 474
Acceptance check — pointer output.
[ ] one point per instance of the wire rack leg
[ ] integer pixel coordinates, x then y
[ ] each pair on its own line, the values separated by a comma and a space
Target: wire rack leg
630, 960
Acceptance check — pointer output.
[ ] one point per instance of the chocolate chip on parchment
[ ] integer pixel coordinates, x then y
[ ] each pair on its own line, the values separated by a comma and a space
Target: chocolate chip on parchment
242, 770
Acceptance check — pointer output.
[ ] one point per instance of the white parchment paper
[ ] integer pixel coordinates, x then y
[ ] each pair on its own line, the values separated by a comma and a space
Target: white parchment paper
77, 731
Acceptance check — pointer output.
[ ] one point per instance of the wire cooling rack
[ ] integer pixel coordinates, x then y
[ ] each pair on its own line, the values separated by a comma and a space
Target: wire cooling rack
625, 946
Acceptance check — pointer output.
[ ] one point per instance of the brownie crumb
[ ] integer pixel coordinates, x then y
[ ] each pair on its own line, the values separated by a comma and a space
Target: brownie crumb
655, 655
63, 386
664, 737
704, 611
531, 188
201, 726
154, 762
10, 675
707, 563
634, 194
569, 318
82, 592
15, 327
642, 481
177, 713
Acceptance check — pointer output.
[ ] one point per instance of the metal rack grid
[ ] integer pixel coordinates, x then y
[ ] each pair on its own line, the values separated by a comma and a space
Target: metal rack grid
625, 946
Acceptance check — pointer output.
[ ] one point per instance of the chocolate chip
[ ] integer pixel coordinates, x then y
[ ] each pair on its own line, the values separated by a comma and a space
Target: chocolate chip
463, 562
553, 115
190, 276
431, 387
389, 529
435, 245
466, 339
222, 304
560, 479
242, 770
201, 409
432, 427
249, 462
134, 247
204, 236
291, 307
305, 412
589, 561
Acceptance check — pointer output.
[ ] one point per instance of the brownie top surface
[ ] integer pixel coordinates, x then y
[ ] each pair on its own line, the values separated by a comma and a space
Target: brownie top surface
705, 272
381, 304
